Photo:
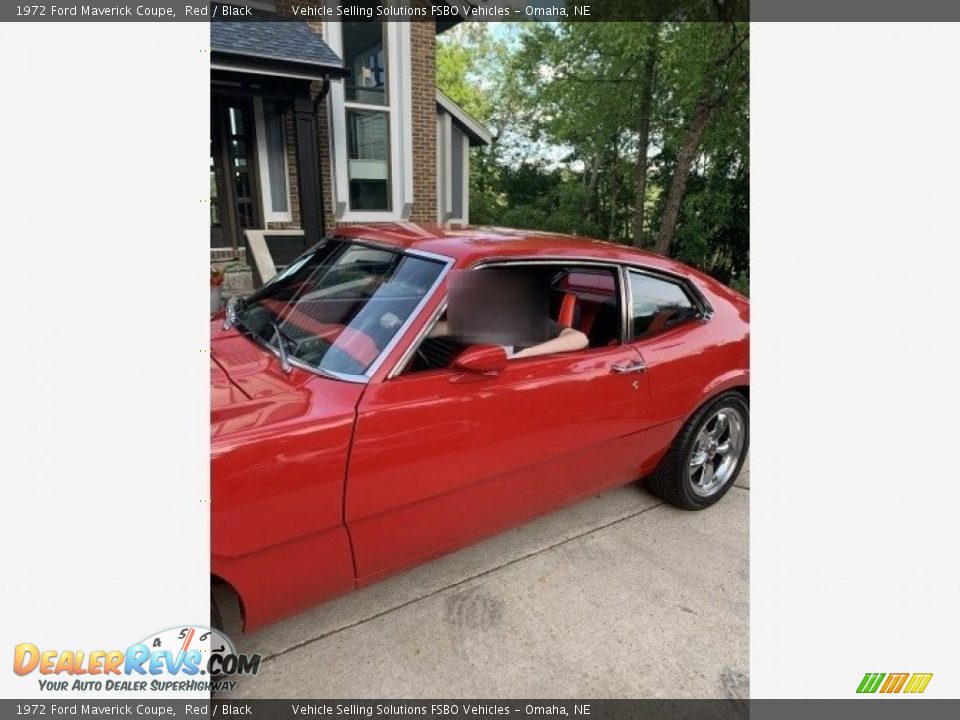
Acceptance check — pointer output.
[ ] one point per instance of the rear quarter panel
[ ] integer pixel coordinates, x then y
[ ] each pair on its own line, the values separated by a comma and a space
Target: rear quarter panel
700, 359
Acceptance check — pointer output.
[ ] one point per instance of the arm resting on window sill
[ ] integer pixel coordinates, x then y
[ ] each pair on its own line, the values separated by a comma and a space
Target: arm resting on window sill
568, 341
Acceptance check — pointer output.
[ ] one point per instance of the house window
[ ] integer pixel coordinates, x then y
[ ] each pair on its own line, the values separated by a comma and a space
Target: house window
368, 138
363, 54
370, 111
272, 160
368, 131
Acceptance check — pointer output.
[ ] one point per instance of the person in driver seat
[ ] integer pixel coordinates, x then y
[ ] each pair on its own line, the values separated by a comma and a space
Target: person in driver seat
505, 307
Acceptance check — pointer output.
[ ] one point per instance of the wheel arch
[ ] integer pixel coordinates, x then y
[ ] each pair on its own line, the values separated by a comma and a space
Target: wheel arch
663, 481
738, 380
228, 599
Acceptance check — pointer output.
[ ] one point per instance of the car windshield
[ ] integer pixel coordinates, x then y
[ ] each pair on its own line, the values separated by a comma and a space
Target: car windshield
337, 307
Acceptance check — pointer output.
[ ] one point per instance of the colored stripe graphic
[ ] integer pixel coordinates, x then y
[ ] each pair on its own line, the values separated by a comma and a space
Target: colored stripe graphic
918, 682
870, 682
894, 682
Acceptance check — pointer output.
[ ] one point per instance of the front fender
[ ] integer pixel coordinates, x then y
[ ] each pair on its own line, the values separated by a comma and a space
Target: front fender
278, 468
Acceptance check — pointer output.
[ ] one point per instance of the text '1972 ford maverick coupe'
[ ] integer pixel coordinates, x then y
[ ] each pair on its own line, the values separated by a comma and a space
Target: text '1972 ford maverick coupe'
400, 391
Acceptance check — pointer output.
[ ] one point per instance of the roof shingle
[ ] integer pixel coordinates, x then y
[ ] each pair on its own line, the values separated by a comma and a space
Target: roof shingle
281, 40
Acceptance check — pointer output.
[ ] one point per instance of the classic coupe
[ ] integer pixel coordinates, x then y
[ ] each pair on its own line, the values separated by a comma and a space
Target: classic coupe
355, 432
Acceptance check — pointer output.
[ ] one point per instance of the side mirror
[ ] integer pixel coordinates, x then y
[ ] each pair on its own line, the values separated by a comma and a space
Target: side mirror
482, 359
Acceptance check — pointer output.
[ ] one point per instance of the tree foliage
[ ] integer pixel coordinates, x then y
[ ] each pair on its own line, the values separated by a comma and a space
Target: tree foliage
635, 132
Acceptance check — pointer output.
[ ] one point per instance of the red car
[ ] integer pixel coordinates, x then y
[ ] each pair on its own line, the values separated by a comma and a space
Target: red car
355, 432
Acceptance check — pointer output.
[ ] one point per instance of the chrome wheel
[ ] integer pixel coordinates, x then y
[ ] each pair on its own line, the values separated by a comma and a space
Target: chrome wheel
716, 452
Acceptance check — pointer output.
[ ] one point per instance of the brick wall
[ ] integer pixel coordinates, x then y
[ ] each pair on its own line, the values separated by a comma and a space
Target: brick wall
423, 44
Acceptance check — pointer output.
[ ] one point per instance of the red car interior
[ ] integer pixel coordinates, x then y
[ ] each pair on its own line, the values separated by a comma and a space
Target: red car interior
568, 309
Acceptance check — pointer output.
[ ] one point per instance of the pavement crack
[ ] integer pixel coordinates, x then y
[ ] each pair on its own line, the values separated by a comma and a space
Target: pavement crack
432, 593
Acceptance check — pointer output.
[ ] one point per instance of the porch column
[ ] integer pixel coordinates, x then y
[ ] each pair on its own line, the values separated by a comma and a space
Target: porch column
308, 169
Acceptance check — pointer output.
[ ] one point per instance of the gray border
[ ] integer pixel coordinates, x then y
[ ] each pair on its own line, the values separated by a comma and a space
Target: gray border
601, 10
873, 708
403, 11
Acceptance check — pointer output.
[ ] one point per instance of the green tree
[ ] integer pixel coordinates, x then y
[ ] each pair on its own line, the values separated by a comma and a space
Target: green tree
589, 86
708, 70
637, 132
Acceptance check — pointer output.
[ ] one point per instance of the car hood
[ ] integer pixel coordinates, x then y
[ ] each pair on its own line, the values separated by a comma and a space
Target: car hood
252, 370
247, 386
249, 390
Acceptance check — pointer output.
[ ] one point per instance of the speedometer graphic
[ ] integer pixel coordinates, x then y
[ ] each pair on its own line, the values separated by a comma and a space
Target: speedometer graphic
190, 649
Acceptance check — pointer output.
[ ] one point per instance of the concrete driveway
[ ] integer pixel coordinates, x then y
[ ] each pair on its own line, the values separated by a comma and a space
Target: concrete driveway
619, 596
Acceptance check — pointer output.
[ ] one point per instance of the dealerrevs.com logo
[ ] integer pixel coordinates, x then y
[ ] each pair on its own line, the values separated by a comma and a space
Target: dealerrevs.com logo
911, 683
186, 658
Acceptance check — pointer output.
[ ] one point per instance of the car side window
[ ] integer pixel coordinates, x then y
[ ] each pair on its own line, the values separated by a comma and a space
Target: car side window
585, 299
657, 304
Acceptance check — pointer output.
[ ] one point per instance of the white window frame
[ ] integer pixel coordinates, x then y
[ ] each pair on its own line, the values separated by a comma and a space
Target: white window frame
442, 163
263, 166
465, 180
399, 110
445, 172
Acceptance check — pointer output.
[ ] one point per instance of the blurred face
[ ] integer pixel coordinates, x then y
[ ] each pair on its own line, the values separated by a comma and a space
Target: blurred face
497, 306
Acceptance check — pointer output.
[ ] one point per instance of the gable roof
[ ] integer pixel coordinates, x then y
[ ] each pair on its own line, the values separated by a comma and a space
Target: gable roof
475, 132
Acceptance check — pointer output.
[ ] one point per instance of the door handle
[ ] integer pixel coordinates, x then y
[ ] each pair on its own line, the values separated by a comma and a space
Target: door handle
636, 366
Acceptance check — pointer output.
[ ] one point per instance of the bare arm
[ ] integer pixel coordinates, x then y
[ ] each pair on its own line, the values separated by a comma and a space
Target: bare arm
567, 341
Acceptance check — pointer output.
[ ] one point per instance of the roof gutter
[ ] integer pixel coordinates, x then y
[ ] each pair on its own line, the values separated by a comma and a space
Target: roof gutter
324, 89
262, 65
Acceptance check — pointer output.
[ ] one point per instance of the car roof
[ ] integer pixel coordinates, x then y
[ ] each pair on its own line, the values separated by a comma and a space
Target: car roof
468, 246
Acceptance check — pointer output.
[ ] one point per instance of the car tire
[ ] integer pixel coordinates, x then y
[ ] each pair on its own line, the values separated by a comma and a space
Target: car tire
216, 621
696, 472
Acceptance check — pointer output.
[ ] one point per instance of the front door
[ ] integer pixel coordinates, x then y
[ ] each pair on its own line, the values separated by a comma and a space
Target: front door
442, 458
233, 181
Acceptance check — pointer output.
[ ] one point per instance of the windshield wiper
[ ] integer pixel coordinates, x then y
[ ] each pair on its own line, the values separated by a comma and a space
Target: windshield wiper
282, 347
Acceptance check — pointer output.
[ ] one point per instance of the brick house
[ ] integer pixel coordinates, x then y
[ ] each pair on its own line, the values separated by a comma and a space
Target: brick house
325, 123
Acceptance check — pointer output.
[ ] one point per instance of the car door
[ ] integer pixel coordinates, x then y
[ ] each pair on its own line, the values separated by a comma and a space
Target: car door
668, 327
442, 458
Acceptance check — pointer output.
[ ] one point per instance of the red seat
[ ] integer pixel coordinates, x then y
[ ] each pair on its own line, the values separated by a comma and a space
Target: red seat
568, 310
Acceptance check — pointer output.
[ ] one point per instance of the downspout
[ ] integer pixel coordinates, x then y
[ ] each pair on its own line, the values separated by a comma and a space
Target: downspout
321, 96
